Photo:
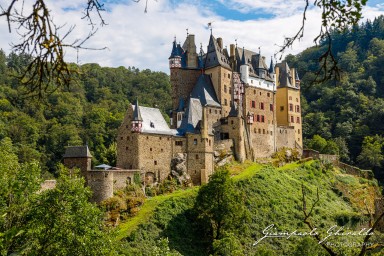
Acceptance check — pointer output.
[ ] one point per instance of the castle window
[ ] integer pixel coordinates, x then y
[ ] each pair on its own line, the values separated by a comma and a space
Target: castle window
161, 150
160, 138
263, 131
271, 107
297, 99
298, 131
259, 130
209, 142
261, 105
194, 141
281, 108
260, 84
262, 119
231, 121
150, 149
225, 88
258, 118
290, 97
254, 91
271, 133
229, 75
253, 104
254, 130
292, 119
290, 107
230, 90
298, 139
126, 148
210, 111
197, 156
215, 111
268, 94
298, 109
147, 137
155, 162
298, 120
225, 102
178, 143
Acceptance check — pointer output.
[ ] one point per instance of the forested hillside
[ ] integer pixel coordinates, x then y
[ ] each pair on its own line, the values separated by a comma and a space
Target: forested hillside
347, 116
89, 111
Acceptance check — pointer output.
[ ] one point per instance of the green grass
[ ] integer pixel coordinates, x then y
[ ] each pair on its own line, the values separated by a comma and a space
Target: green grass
148, 209
273, 196
248, 172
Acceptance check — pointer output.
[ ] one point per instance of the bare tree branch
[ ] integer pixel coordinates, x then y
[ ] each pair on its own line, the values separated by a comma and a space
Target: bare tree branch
337, 16
308, 215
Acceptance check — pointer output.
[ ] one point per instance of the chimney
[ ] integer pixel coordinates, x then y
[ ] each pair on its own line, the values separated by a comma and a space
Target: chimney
220, 42
232, 50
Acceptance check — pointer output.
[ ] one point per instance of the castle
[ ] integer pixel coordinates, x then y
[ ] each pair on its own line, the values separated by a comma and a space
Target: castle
221, 99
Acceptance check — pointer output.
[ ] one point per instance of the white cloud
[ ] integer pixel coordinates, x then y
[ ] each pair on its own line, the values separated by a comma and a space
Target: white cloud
145, 40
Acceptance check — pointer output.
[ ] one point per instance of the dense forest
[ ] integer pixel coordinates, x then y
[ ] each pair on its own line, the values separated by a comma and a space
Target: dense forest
89, 111
346, 116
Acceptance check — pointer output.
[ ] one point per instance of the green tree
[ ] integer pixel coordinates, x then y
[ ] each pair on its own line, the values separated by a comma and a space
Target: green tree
220, 204
371, 156
60, 221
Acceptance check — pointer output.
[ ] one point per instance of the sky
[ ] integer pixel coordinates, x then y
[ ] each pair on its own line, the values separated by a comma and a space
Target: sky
144, 40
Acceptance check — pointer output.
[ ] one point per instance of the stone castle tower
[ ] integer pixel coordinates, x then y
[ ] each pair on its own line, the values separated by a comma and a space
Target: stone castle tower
218, 98
221, 100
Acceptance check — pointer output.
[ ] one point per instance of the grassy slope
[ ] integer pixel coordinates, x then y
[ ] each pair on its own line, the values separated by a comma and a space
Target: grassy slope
273, 196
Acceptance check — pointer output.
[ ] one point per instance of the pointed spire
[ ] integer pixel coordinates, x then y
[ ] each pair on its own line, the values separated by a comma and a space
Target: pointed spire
136, 113
271, 67
201, 58
243, 58
175, 51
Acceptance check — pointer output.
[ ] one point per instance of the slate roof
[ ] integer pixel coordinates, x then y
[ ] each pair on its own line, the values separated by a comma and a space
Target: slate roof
175, 50
285, 77
136, 113
192, 117
153, 121
215, 55
254, 60
204, 91
77, 152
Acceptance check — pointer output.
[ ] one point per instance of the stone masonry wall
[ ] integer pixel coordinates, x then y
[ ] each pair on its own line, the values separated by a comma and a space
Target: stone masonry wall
83, 163
222, 82
155, 154
259, 102
101, 183
199, 157
128, 150
285, 137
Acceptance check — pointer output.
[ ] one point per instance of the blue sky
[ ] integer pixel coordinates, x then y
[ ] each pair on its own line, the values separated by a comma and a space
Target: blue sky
144, 40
